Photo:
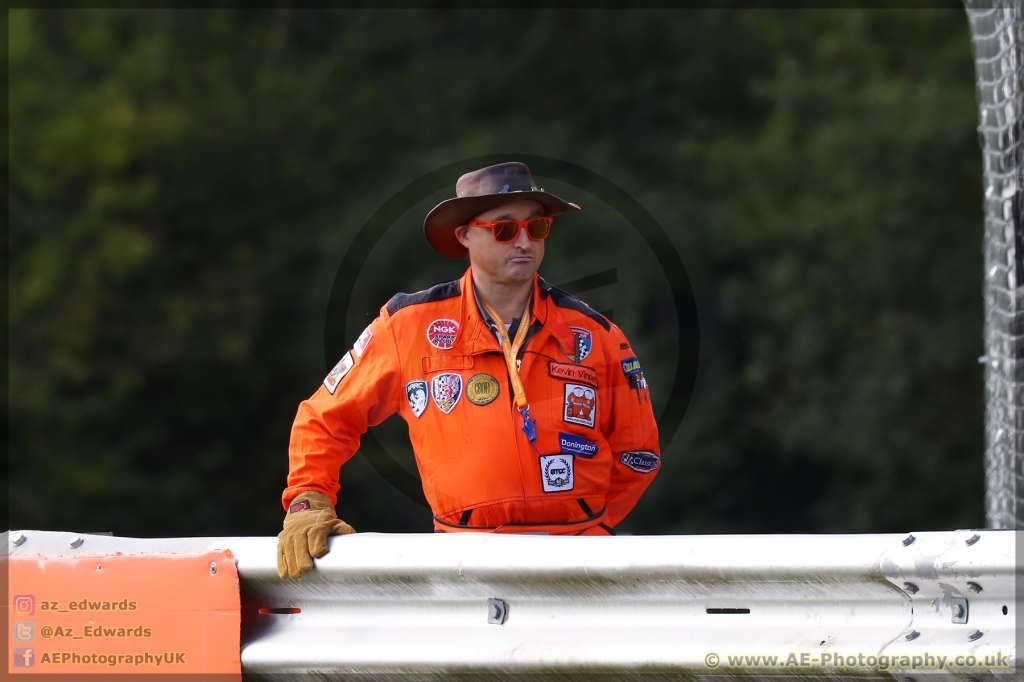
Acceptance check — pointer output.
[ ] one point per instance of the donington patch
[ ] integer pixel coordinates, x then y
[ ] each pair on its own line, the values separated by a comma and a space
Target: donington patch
567, 371
441, 333
580, 404
482, 389
332, 380
556, 473
571, 444
446, 389
362, 342
643, 461
584, 342
416, 394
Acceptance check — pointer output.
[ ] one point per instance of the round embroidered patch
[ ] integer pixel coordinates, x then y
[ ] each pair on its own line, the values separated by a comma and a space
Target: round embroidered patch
441, 333
482, 389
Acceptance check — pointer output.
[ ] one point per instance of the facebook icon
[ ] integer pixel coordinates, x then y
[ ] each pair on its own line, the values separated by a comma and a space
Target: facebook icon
24, 657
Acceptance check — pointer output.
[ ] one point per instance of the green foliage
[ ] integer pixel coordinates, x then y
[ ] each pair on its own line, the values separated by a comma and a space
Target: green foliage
184, 184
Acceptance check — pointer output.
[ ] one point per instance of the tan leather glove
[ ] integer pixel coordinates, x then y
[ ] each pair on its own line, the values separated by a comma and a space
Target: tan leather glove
311, 518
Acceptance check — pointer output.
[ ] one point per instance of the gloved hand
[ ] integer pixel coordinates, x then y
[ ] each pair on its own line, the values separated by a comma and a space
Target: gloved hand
311, 518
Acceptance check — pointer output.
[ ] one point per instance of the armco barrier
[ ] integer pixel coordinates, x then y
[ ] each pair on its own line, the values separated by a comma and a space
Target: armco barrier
926, 606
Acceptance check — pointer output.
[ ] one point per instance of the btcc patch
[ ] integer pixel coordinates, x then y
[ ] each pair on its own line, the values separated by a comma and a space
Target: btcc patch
571, 444
566, 371
332, 380
482, 389
416, 394
631, 367
642, 461
441, 333
584, 342
556, 473
362, 342
580, 405
446, 389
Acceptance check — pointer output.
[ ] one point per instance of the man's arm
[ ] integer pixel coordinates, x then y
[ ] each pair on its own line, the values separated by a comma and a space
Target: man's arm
634, 432
360, 391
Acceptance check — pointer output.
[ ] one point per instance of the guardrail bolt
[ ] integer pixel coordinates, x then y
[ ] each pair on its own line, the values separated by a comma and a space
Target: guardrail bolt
975, 636
909, 540
958, 605
971, 540
497, 611
76, 541
18, 539
914, 634
213, 568
974, 587
911, 588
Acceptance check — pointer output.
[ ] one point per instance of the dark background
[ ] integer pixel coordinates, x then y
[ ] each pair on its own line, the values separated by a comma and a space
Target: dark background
186, 184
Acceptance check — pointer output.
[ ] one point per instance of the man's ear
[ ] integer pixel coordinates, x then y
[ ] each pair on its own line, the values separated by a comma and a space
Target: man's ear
460, 234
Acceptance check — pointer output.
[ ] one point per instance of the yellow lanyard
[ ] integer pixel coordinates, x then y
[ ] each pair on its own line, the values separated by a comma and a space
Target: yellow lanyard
509, 349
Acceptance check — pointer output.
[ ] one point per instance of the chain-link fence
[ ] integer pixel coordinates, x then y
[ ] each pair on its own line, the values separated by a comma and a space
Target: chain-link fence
997, 31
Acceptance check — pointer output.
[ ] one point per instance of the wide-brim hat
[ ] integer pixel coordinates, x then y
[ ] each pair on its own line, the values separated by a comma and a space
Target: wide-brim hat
479, 191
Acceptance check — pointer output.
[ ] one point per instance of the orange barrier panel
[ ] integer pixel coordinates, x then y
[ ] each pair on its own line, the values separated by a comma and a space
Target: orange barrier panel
173, 614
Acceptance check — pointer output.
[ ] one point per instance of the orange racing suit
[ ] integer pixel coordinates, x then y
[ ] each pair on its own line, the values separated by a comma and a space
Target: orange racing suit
434, 358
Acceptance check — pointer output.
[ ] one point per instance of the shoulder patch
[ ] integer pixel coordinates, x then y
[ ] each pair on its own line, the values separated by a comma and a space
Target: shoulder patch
438, 292
564, 300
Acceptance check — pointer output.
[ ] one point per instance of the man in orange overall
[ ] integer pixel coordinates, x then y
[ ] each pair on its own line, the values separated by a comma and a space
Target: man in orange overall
527, 410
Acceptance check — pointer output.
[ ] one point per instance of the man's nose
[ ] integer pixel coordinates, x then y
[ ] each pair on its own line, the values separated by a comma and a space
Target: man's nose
522, 239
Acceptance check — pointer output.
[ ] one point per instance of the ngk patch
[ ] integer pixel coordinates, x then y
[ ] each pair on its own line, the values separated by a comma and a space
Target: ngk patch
446, 389
580, 404
441, 333
332, 380
362, 342
584, 342
643, 461
556, 473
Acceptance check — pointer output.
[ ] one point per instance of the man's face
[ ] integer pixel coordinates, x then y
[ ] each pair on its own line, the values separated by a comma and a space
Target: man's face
513, 261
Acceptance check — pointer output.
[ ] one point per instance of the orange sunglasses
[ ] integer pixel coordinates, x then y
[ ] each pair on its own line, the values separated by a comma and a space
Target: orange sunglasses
505, 231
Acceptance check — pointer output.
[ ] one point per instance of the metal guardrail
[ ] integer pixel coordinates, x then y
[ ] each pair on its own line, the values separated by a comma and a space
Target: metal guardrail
927, 606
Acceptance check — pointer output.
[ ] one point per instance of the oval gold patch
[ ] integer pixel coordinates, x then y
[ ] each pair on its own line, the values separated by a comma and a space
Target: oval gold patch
482, 389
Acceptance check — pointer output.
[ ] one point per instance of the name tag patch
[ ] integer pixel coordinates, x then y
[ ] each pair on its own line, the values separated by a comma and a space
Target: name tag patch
332, 380
642, 461
556, 473
570, 372
580, 405
571, 444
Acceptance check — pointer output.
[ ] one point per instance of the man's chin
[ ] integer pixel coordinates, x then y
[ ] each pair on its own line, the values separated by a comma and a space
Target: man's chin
520, 272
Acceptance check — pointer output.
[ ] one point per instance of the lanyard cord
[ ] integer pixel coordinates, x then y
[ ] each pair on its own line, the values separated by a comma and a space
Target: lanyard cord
509, 350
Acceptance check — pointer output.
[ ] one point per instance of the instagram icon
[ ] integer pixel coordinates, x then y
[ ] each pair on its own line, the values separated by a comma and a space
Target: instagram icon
24, 604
